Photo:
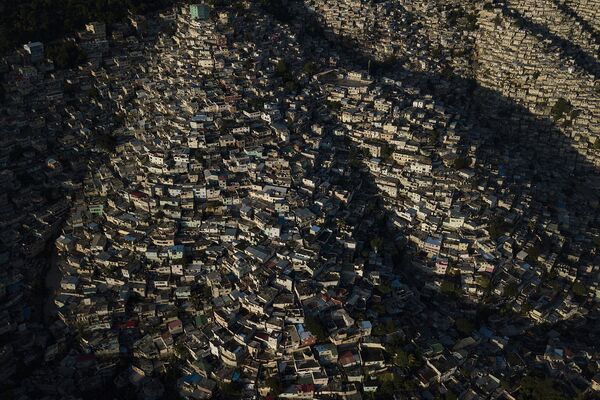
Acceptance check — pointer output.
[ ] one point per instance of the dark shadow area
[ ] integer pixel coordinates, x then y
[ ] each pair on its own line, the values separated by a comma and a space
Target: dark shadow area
567, 49
534, 160
507, 135
22, 21
585, 25
531, 155
81, 148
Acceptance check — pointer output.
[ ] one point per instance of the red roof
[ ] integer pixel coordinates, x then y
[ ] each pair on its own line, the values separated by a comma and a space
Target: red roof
126, 325
175, 324
346, 357
307, 388
139, 194
85, 358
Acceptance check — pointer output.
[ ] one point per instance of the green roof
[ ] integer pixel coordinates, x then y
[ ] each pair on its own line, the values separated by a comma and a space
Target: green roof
201, 321
199, 11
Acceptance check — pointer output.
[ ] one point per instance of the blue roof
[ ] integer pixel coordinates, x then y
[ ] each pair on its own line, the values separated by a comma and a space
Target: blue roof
486, 332
193, 378
502, 171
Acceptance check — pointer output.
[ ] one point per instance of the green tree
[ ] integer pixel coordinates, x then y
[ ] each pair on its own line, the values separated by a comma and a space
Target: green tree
281, 68
277, 8
400, 358
511, 290
274, 384
387, 151
384, 288
384, 328
534, 388
450, 396
65, 54
231, 390
448, 287
470, 22
532, 254
461, 162
579, 289
392, 384
464, 326
497, 227
561, 108
47, 20
315, 327
309, 68
483, 281
106, 142
376, 243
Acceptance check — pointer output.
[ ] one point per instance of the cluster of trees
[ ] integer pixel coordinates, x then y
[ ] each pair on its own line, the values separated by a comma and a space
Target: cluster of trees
450, 288
511, 290
464, 326
274, 385
65, 54
22, 21
384, 66
356, 154
282, 70
392, 385
278, 8
333, 105
561, 107
461, 162
498, 227
309, 68
231, 390
538, 388
460, 18
387, 152
384, 328
315, 327
106, 142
